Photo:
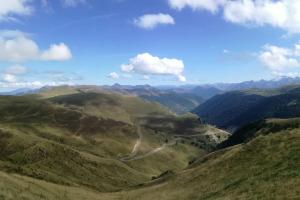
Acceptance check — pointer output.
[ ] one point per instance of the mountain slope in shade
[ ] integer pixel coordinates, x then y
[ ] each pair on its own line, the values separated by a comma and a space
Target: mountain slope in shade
234, 109
260, 128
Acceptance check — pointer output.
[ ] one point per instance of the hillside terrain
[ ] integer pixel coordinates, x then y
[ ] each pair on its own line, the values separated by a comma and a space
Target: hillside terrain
266, 166
78, 143
92, 142
237, 108
178, 99
260, 128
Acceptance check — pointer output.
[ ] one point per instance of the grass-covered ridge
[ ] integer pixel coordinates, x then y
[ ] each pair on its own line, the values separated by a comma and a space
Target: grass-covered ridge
73, 141
267, 167
71, 147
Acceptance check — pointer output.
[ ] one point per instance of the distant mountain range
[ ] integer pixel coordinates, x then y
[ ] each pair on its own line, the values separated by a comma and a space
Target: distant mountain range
92, 142
261, 84
179, 99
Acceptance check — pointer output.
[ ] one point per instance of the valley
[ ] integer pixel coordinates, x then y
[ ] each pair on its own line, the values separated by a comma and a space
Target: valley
149, 100
79, 143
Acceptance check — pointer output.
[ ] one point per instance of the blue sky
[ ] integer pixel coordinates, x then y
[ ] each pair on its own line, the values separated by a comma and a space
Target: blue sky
138, 42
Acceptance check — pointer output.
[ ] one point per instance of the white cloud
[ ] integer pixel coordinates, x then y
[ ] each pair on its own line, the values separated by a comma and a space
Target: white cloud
15, 46
6, 33
278, 58
285, 74
31, 84
259, 12
9, 78
13, 77
10, 8
211, 5
10, 75
73, 3
57, 52
25, 84
284, 14
181, 78
114, 75
146, 64
150, 21
18, 49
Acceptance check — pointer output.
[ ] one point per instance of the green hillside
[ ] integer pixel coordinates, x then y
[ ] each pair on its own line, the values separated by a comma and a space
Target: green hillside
235, 109
179, 102
267, 167
71, 147
79, 141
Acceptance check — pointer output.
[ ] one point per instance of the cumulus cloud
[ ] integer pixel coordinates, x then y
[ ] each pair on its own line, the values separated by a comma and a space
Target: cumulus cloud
57, 52
113, 75
16, 47
260, 12
11, 8
278, 58
282, 14
9, 78
150, 21
146, 64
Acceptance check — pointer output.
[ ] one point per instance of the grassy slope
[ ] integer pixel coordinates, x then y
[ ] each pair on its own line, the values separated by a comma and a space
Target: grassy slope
60, 152
110, 106
66, 145
179, 103
48, 92
175, 101
265, 168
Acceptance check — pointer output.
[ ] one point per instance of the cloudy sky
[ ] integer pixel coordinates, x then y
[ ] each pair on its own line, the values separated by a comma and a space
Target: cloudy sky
158, 42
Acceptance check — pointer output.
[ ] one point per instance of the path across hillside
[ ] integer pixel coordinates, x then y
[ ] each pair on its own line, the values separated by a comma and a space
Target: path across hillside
133, 155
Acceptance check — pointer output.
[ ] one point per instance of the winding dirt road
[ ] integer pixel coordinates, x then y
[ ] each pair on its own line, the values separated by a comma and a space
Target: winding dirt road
133, 156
